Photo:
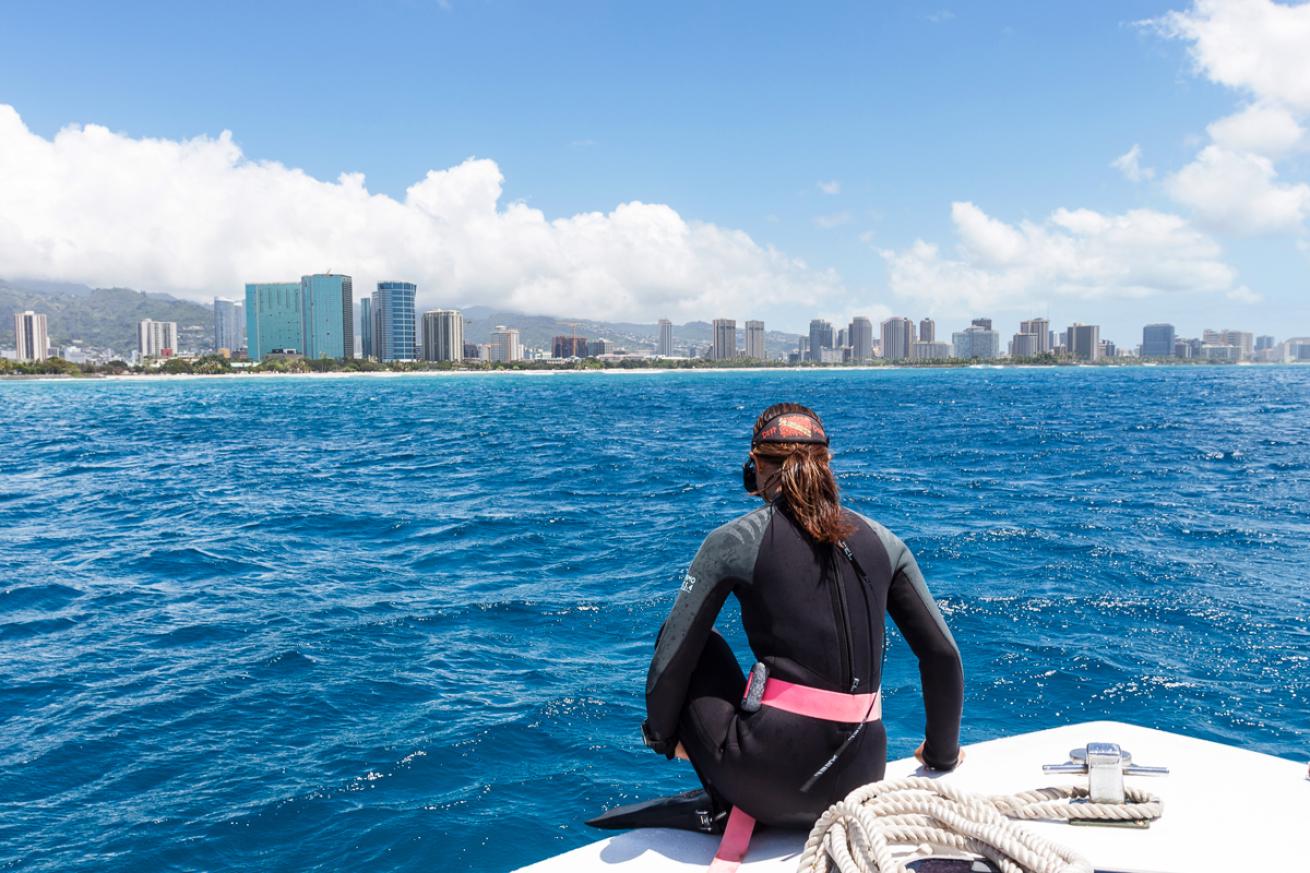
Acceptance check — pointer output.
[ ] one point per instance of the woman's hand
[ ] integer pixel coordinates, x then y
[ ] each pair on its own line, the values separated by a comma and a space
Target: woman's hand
681, 754
918, 755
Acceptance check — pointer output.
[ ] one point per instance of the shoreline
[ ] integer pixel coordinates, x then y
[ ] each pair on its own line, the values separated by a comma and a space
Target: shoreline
635, 371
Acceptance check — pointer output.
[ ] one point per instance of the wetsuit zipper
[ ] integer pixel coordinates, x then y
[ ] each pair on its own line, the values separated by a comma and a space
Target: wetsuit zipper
843, 629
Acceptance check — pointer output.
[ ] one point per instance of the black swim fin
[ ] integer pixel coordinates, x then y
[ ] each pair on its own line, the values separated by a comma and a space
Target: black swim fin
689, 811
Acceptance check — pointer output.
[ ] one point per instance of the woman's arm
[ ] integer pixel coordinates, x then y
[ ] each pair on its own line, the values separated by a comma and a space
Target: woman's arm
921, 623
726, 557
679, 644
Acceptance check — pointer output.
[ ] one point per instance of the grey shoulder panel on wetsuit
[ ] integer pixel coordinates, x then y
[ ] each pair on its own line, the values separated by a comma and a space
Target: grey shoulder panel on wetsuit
915, 612
905, 566
725, 559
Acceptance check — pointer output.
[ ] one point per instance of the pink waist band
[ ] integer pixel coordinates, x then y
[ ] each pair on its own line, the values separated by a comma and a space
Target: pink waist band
817, 703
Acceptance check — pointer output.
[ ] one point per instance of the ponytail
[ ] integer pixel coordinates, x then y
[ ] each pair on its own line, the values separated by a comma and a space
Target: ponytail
807, 484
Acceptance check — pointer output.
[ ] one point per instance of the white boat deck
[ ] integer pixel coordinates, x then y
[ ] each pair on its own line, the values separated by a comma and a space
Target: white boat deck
1225, 809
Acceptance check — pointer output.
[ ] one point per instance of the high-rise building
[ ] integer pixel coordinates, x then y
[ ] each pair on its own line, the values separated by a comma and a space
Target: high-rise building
1263, 343
1026, 345
327, 304
598, 347
569, 347
443, 335
156, 339
985, 323
1158, 341
273, 319
927, 330
930, 350
393, 321
897, 338
1042, 328
1242, 340
821, 337
32, 338
724, 344
665, 345
860, 333
366, 328
229, 324
755, 340
976, 341
505, 345
1084, 342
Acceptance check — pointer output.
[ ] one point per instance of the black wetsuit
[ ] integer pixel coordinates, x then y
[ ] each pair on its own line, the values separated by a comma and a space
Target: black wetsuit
810, 631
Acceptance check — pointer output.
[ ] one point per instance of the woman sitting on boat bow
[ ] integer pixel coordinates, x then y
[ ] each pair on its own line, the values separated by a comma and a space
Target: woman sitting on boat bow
815, 582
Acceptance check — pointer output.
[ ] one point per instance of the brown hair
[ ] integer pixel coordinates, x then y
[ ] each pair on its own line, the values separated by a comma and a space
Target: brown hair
808, 487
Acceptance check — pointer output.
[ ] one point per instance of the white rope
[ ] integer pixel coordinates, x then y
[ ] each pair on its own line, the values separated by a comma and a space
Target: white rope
856, 835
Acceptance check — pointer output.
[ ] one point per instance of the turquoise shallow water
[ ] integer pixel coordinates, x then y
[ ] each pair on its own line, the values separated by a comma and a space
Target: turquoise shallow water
403, 623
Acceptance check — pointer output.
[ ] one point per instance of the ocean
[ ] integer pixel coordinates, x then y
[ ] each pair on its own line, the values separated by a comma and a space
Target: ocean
403, 623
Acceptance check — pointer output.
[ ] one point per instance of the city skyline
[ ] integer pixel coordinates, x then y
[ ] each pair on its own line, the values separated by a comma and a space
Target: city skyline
1167, 183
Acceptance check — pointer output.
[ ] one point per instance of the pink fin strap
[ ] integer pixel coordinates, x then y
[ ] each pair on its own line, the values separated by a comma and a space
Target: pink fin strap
736, 840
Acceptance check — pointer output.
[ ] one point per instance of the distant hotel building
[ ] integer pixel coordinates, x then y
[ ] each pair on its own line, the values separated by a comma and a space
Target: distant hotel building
927, 330
978, 340
897, 338
1158, 341
724, 344
31, 336
598, 347
1040, 328
229, 325
393, 321
366, 328
505, 345
929, 350
273, 319
156, 339
860, 334
328, 312
1084, 342
443, 335
821, 336
754, 340
568, 347
665, 345
1027, 345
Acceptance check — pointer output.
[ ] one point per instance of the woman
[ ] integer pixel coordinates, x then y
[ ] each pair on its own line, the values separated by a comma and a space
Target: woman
815, 582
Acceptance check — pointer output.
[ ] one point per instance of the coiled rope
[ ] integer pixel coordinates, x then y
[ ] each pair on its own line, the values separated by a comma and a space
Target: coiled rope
856, 835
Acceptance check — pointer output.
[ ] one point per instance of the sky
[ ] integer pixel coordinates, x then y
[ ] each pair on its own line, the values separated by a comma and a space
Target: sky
1112, 163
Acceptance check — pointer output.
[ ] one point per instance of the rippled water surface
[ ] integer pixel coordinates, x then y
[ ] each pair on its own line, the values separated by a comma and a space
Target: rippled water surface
403, 623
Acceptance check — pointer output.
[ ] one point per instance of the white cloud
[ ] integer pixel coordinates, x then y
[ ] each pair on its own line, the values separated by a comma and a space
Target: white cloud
1256, 46
1130, 164
831, 186
1073, 254
941, 16
831, 220
1244, 295
1239, 191
1263, 130
1262, 49
198, 218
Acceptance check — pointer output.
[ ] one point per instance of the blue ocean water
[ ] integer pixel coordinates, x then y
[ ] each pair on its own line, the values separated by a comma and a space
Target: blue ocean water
403, 623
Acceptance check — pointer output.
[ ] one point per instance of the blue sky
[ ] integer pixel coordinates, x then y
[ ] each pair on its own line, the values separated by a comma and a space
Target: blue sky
736, 116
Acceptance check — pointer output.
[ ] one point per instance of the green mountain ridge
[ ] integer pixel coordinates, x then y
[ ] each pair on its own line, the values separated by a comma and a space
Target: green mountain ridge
103, 317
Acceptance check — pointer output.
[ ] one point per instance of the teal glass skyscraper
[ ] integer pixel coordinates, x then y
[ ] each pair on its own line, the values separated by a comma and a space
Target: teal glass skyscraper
393, 321
328, 312
273, 318
366, 327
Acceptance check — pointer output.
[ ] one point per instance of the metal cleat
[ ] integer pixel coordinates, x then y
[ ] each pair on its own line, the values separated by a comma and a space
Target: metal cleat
1105, 765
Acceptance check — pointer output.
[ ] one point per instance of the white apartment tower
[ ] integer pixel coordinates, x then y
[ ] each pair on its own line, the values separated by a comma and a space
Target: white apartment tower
665, 346
505, 345
31, 335
156, 339
443, 335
